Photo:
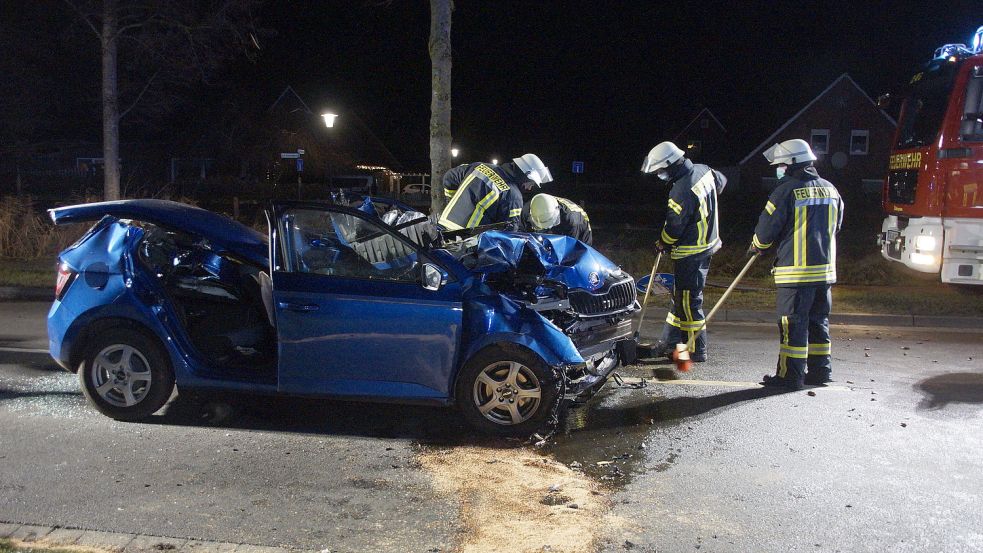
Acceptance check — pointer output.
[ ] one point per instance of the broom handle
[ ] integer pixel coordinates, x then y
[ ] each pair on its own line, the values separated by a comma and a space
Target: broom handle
720, 302
648, 289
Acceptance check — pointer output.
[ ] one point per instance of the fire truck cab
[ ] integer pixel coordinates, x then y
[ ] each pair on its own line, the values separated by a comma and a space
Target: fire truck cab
933, 194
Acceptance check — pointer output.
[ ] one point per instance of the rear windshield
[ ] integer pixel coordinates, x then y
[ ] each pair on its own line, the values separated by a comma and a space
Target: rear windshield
924, 105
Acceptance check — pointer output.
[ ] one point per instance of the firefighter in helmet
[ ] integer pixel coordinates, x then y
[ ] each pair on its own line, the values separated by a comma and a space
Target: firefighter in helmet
555, 215
483, 193
800, 222
690, 235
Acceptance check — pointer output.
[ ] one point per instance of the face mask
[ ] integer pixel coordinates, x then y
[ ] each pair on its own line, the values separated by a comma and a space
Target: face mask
780, 171
662, 174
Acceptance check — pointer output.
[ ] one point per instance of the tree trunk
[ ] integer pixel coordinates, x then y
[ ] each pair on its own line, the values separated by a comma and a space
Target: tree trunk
110, 102
440, 100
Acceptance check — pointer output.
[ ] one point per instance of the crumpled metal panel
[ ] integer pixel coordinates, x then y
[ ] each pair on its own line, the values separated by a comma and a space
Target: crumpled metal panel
560, 258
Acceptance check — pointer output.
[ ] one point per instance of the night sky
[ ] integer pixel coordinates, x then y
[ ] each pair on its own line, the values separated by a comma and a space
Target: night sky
601, 82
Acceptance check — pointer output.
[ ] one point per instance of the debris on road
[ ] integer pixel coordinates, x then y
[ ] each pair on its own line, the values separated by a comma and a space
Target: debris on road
811, 393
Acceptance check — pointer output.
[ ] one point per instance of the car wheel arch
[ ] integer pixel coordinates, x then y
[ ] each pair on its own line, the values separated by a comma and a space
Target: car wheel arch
92, 328
493, 344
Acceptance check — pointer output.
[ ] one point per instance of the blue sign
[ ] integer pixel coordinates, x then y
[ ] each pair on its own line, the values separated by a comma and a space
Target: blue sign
300, 165
578, 167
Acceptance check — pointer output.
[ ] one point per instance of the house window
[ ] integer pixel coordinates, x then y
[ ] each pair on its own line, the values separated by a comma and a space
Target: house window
859, 142
693, 147
819, 140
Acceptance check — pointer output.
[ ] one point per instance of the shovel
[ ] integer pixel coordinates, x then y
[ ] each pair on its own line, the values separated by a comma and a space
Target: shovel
681, 354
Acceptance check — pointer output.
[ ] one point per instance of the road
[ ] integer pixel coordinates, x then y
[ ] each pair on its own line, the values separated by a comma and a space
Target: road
885, 459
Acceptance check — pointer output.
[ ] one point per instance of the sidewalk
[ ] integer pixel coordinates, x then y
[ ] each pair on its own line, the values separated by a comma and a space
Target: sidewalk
53, 536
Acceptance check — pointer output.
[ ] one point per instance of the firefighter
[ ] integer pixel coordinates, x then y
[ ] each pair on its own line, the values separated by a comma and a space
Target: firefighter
691, 236
483, 194
802, 216
555, 215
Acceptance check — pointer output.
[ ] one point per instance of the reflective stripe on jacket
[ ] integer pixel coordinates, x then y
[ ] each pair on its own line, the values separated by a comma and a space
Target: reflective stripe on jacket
481, 194
803, 215
691, 221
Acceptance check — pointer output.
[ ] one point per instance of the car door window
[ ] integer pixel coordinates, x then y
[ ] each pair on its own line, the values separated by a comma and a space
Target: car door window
340, 244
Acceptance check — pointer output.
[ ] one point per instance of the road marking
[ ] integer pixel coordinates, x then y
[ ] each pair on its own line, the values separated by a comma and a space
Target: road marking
23, 350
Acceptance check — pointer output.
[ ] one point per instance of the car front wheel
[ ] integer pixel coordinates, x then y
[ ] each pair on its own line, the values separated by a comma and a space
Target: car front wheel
507, 390
126, 375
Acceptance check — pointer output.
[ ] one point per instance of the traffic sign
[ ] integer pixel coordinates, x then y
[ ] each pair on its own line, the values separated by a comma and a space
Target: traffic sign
289, 155
300, 165
578, 167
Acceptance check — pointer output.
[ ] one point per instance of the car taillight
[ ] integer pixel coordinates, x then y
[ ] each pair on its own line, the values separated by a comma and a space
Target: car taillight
65, 276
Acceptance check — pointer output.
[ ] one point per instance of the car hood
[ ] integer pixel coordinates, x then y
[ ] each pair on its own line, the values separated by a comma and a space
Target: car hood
557, 258
222, 232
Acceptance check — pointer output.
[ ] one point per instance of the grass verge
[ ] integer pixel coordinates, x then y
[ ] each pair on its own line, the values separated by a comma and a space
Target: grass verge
28, 272
7, 546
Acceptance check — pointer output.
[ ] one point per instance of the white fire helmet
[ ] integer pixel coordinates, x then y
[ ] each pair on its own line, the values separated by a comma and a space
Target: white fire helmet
544, 212
534, 168
663, 155
789, 152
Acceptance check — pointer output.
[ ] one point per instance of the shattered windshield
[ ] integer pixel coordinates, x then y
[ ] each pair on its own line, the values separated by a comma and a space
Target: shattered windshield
924, 105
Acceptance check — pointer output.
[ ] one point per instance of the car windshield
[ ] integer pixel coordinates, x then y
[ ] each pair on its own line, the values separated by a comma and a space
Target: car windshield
925, 104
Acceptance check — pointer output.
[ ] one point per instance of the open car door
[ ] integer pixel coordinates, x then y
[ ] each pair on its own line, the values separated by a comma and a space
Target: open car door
360, 310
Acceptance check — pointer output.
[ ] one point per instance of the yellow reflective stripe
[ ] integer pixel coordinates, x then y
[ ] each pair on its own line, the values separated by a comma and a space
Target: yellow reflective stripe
820, 349
794, 352
833, 215
668, 239
444, 221
479, 210
757, 243
515, 212
449, 193
770, 207
688, 313
782, 364
827, 277
675, 207
799, 237
689, 326
801, 269
680, 252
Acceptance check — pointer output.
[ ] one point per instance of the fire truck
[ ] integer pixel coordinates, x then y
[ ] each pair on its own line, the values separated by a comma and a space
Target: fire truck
933, 193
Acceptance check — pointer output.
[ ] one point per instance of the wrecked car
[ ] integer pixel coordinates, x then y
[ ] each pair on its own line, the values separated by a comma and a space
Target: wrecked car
370, 302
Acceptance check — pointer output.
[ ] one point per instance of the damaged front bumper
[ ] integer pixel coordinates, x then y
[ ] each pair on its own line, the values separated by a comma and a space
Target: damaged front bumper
603, 349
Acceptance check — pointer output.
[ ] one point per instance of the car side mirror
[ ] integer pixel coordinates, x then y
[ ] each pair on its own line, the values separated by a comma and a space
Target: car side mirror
433, 277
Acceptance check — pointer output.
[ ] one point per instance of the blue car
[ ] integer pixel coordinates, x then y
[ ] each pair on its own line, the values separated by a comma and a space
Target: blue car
369, 302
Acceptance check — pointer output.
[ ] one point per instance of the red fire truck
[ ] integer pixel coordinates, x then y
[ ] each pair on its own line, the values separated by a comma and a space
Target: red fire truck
933, 194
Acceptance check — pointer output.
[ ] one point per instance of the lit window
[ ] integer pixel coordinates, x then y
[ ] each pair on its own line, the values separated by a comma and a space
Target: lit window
693, 147
819, 140
859, 142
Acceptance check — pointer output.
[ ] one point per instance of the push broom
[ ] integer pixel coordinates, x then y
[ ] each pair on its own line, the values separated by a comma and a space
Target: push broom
681, 354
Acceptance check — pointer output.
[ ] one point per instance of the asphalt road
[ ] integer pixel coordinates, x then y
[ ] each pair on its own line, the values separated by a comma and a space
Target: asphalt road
886, 459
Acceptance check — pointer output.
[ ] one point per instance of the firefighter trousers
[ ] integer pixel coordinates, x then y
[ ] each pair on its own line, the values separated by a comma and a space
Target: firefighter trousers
803, 328
686, 315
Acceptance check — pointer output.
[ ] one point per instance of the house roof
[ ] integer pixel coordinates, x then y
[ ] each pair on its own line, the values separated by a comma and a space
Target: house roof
771, 137
290, 95
697, 118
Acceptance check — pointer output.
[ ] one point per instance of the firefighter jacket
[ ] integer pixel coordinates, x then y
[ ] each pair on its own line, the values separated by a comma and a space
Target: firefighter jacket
574, 221
481, 194
691, 222
802, 215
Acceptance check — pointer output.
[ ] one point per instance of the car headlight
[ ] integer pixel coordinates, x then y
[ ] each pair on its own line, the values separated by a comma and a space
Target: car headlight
922, 259
925, 243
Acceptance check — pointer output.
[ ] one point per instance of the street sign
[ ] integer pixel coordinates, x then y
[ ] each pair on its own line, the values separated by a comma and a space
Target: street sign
300, 151
289, 155
578, 167
300, 165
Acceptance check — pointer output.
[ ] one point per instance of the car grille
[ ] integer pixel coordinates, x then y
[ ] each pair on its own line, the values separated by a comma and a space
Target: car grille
901, 186
619, 296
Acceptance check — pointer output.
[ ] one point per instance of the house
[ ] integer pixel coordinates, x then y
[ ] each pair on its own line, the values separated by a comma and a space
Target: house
849, 134
705, 140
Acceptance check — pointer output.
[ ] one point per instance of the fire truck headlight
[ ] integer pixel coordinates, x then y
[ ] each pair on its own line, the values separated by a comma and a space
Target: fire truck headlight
925, 243
922, 259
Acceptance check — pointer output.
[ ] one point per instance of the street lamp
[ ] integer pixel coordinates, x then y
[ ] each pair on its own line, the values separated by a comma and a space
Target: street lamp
494, 162
454, 152
329, 119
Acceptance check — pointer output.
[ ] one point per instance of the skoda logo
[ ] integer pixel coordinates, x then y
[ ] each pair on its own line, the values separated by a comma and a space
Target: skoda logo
594, 280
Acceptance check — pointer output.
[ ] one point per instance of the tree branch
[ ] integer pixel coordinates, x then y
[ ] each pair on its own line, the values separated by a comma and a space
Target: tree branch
84, 18
137, 99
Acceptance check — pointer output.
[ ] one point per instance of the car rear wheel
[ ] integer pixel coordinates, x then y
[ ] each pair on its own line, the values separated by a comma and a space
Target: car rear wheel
126, 375
507, 390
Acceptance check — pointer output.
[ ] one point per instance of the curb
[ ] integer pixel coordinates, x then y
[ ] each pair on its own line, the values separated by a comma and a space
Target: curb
123, 543
25, 293
848, 319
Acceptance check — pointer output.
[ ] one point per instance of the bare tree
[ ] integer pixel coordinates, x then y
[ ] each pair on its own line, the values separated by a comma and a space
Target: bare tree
170, 47
440, 99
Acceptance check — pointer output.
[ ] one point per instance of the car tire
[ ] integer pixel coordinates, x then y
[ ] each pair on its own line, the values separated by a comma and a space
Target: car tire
126, 374
507, 390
